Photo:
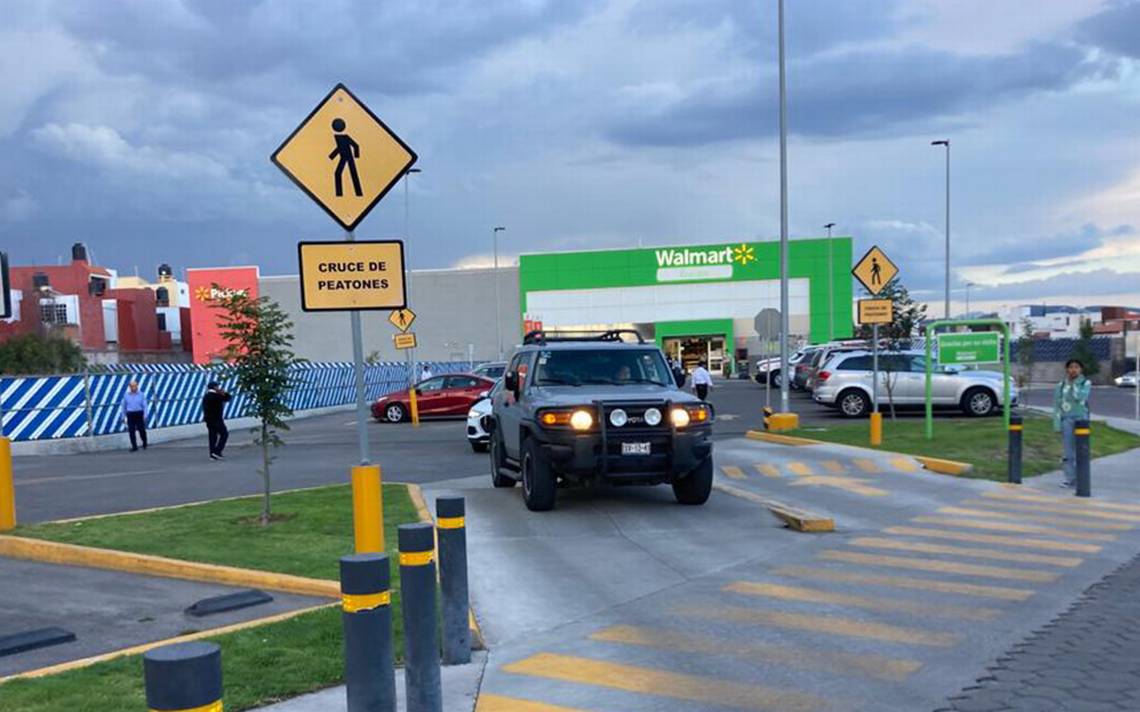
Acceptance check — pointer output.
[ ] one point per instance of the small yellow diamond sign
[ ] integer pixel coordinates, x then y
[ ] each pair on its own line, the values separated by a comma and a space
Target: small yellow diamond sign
344, 157
402, 318
875, 270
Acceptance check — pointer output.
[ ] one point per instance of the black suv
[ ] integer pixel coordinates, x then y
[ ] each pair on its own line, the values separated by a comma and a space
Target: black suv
578, 409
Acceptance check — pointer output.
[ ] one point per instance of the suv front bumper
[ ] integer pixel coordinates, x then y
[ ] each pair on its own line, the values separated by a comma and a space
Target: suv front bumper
673, 454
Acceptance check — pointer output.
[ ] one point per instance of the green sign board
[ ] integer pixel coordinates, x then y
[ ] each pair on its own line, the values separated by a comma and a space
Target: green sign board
976, 347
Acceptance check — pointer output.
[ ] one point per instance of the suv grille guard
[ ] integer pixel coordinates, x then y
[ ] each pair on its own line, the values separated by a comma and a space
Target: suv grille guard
603, 424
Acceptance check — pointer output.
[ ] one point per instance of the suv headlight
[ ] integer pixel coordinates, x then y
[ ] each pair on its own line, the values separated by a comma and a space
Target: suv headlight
693, 414
581, 420
652, 417
578, 419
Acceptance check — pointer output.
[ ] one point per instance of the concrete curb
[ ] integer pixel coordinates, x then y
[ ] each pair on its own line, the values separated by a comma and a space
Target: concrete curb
934, 464
795, 518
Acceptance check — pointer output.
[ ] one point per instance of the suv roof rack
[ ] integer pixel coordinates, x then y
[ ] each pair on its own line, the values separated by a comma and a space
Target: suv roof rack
544, 337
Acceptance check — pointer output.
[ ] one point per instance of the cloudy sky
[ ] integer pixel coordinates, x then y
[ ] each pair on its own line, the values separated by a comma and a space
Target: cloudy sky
144, 127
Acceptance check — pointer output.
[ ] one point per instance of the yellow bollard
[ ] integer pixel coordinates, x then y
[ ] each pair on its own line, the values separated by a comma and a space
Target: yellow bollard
367, 509
415, 407
876, 429
7, 488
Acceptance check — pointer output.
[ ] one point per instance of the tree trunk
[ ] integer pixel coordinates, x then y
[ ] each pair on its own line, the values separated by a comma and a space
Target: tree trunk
891, 395
265, 475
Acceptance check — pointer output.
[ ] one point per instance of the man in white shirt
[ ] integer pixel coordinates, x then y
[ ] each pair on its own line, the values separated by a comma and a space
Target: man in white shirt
702, 381
425, 373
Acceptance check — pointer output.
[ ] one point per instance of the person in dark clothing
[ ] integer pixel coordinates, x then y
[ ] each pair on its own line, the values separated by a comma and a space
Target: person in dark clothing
134, 413
213, 403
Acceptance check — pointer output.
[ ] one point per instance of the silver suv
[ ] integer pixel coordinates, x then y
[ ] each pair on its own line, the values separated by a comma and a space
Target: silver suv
844, 383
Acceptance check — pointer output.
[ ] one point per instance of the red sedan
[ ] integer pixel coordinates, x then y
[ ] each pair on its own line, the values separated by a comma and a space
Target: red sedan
451, 394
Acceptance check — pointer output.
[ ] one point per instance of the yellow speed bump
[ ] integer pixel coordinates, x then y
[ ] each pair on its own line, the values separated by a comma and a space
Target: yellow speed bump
801, 520
945, 467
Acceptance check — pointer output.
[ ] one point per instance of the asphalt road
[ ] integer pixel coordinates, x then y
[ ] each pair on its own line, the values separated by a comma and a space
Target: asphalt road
1105, 401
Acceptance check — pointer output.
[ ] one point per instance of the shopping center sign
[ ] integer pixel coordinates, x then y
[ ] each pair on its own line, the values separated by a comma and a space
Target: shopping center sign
713, 262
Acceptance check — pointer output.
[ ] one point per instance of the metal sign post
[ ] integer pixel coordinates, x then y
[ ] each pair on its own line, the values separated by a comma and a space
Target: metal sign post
358, 373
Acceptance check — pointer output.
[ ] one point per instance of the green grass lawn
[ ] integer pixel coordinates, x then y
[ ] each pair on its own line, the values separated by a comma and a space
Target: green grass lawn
303, 653
981, 442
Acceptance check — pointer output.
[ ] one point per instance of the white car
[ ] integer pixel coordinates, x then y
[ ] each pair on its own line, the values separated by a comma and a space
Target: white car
1128, 380
477, 435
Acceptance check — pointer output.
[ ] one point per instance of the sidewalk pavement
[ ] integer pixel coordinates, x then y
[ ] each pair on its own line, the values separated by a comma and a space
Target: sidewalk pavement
460, 691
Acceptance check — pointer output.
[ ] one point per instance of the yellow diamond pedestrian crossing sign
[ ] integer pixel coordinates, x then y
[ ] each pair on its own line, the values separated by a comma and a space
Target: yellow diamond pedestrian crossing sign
875, 270
402, 318
344, 157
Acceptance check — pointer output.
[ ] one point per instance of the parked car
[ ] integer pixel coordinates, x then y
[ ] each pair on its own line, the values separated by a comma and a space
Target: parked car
597, 409
1127, 380
825, 352
770, 367
477, 434
491, 369
447, 395
803, 368
844, 383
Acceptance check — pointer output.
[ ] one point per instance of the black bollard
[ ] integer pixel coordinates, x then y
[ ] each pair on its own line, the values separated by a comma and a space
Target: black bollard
421, 632
452, 534
184, 676
1081, 432
369, 658
1016, 426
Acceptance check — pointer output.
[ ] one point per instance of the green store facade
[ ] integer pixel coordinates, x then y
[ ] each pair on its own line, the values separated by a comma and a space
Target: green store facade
698, 302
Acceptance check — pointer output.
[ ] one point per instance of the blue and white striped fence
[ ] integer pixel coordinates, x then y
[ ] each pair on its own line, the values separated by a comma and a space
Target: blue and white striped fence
53, 407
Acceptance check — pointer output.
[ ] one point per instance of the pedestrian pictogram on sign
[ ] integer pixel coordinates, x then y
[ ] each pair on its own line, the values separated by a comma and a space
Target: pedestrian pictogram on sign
404, 341
402, 319
875, 270
344, 157
352, 276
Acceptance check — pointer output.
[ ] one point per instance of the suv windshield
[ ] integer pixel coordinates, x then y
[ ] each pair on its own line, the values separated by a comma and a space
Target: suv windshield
609, 366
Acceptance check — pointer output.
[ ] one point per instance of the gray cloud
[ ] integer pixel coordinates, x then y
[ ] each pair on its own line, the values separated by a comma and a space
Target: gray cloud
1115, 29
1087, 284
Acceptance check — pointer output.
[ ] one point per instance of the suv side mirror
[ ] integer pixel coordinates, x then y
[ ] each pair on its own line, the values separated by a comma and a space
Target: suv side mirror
511, 381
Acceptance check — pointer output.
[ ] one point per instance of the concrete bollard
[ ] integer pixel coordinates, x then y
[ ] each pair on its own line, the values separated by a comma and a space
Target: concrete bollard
369, 656
421, 632
1016, 426
367, 509
1084, 476
452, 533
184, 676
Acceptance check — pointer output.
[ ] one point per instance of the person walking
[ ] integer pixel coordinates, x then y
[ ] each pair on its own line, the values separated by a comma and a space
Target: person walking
213, 405
425, 373
702, 381
1070, 404
134, 414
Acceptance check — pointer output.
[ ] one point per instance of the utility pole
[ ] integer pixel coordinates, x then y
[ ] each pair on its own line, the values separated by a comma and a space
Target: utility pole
830, 285
784, 380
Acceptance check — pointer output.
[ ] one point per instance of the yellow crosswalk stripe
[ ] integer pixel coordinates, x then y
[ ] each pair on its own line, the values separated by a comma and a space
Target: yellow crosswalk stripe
867, 465
767, 470
733, 471
998, 539
801, 469
848, 484
498, 703
926, 548
908, 582
1051, 508
834, 625
835, 467
938, 566
1010, 527
1039, 519
811, 595
660, 683
1020, 494
876, 666
904, 464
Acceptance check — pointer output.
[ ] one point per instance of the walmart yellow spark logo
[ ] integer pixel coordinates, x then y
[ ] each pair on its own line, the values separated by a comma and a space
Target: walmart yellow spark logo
202, 294
743, 254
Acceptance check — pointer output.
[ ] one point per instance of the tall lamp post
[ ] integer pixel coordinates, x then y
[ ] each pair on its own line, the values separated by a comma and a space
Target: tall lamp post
407, 209
784, 380
830, 284
946, 143
498, 306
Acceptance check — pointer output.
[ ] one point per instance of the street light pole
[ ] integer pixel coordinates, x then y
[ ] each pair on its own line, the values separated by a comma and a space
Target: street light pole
498, 306
830, 285
784, 379
407, 210
946, 143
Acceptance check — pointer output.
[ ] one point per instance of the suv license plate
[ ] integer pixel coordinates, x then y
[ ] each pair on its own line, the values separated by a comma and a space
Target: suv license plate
635, 449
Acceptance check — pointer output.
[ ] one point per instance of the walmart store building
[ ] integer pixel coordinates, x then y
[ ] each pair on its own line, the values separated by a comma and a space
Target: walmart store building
698, 302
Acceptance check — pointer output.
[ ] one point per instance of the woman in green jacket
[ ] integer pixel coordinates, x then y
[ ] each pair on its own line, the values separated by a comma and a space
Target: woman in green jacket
1070, 404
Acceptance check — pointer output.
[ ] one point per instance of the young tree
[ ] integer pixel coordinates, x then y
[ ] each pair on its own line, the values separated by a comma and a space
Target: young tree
907, 316
261, 357
1025, 353
1084, 350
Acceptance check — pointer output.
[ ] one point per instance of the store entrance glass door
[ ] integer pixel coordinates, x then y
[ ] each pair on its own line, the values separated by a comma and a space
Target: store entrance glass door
690, 351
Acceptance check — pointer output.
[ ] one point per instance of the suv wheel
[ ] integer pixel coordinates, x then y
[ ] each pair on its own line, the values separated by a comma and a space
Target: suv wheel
395, 413
495, 447
538, 479
853, 403
695, 488
979, 402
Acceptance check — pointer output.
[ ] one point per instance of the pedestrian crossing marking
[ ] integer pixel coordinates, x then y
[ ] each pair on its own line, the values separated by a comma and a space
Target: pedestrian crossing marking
867, 465
498, 703
998, 539
833, 625
733, 471
939, 566
811, 595
904, 464
1075, 504
926, 548
835, 467
1011, 527
1039, 519
768, 470
917, 584
801, 469
876, 666
1051, 508
848, 484
660, 683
